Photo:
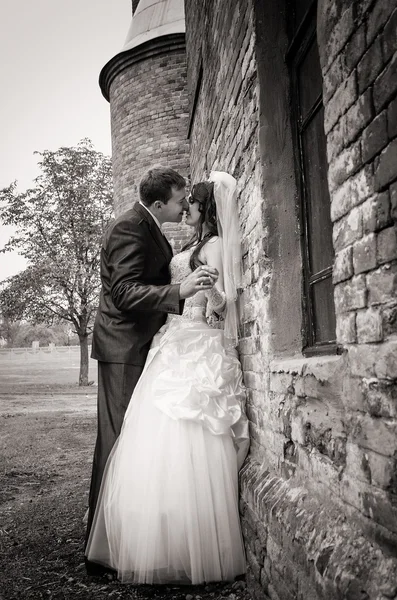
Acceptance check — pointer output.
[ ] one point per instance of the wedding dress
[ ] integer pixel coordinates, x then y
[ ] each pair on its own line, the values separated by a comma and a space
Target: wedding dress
168, 506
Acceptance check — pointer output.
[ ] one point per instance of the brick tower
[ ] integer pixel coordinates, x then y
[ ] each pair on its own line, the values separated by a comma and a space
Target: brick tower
145, 84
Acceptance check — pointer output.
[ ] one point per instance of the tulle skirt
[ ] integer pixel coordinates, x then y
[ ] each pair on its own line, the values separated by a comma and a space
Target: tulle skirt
168, 505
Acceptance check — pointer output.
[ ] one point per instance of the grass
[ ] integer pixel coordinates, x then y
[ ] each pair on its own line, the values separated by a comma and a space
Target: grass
22, 369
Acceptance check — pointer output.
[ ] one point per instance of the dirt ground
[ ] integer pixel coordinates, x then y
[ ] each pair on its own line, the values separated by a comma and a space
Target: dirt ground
47, 431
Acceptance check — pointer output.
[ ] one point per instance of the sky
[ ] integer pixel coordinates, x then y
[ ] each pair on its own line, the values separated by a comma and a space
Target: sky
51, 54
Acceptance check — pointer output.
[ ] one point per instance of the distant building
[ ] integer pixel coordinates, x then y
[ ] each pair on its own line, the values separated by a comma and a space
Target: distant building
145, 84
298, 100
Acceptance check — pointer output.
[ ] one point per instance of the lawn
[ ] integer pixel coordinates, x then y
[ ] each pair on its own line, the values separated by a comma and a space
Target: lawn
47, 433
22, 368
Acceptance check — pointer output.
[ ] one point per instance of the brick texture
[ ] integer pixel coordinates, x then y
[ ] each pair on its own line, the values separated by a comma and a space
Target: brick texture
322, 471
149, 120
363, 200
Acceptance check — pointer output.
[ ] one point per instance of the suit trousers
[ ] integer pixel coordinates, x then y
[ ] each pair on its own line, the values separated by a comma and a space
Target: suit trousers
116, 382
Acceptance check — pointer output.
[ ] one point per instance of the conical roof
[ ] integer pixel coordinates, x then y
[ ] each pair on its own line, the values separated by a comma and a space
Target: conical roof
153, 19
159, 22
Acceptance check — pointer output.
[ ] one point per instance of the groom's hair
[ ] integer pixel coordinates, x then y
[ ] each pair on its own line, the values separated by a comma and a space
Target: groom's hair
157, 184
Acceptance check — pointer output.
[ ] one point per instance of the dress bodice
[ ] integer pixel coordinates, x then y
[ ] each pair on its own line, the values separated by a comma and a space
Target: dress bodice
195, 307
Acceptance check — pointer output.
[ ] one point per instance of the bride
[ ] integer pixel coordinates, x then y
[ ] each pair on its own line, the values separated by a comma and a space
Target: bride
168, 505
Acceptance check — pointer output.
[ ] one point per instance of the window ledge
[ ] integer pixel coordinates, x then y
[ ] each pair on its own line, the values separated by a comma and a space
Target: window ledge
305, 365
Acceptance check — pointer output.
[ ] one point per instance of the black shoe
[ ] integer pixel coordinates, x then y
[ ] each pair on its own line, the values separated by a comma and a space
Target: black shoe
96, 570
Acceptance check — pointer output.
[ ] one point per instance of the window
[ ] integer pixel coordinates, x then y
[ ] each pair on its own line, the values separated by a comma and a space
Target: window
307, 113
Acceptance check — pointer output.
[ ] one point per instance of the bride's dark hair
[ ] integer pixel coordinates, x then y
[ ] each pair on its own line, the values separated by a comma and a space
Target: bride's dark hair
203, 193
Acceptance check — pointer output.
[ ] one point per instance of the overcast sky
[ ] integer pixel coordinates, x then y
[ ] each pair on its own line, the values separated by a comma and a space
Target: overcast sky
51, 54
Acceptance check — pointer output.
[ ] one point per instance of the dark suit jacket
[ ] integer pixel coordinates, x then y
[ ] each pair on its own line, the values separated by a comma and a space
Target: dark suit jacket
136, 293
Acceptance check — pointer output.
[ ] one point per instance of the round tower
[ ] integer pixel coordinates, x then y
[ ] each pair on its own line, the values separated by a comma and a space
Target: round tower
145, 84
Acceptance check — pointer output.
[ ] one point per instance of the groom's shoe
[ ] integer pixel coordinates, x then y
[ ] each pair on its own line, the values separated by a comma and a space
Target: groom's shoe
96, 570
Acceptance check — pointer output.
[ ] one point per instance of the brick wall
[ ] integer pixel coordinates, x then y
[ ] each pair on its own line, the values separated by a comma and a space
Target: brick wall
359, 58
319, 492
149, 116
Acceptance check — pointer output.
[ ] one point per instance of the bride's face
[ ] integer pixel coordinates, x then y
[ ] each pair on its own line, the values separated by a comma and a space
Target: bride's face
193, 213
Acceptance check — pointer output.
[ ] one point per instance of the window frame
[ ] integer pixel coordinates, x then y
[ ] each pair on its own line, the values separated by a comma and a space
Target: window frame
301, 42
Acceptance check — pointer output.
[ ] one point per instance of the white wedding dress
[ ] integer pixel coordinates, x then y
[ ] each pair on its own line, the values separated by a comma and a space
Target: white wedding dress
168, 506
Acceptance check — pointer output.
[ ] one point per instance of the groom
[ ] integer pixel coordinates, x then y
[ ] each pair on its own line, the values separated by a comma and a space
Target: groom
135, 298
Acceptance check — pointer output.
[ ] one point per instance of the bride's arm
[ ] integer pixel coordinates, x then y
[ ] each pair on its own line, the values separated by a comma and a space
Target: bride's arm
211, 254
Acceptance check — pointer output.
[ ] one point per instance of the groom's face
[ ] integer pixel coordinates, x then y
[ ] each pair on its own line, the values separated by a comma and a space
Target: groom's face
172, 212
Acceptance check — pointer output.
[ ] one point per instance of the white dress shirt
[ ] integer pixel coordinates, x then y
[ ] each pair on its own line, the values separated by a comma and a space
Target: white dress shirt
152, 215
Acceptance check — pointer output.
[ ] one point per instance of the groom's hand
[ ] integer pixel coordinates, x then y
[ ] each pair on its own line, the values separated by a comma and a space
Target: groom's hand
203, 278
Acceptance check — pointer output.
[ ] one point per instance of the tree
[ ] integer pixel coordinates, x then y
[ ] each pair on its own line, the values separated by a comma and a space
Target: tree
19, 334
9, 331
58, 225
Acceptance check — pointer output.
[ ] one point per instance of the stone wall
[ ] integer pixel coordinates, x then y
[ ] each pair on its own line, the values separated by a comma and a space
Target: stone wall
319, 496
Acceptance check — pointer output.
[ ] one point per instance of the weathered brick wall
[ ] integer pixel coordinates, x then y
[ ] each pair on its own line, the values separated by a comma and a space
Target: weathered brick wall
359, 60
149, 116
319, 489
225, 124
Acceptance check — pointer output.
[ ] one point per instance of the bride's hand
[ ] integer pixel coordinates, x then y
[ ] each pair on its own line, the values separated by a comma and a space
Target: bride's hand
203, 278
